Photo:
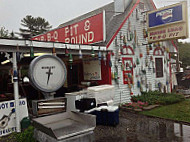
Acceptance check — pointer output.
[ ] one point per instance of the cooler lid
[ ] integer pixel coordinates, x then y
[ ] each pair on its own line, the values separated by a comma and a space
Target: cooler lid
108, 108
100, 88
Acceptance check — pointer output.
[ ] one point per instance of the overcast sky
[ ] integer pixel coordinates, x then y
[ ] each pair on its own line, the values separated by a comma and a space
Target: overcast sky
54, 11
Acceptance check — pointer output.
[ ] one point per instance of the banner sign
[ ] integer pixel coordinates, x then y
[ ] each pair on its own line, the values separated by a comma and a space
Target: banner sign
90, 30
92, 70
7, 115
166, 16
168, 23
167, 33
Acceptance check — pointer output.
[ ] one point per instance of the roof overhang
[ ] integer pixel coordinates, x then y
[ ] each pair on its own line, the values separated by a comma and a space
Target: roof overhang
21, 45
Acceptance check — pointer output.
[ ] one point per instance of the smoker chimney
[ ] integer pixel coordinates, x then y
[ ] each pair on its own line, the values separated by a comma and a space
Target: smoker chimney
121, 5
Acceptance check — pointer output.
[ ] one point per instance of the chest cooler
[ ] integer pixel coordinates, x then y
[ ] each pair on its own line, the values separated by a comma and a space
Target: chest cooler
63, 126
90, 98
102, 94
106, 115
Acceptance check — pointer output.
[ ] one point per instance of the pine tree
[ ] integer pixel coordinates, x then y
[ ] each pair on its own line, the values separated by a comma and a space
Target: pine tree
34, 25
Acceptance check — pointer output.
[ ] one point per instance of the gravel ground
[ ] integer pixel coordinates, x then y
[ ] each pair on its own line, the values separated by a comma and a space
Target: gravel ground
138, 128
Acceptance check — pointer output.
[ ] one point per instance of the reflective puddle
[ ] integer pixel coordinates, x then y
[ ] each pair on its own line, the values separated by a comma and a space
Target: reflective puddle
139, 128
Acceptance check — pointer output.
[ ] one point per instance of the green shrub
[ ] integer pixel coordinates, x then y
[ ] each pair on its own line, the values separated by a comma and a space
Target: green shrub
26, 135
156, 97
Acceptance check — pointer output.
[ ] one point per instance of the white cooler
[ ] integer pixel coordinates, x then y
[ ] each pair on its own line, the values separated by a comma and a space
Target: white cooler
102, 93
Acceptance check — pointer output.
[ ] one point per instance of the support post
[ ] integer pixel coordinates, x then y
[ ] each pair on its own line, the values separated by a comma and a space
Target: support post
16, 92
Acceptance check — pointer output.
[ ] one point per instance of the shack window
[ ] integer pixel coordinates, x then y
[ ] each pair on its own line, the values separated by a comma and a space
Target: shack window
159, 67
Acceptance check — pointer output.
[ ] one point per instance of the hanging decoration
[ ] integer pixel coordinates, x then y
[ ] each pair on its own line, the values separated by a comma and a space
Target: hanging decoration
146, 61
80, 53
132, 79
99, 56
112, 75
134, 45
167, 49
153, 68
115, 75
110, 63
128, 36
147, 50
70, 59
31, 52
122, 66
138, 84
15, 76
121, 37
130, 87
116, 41
129, 26
150, 47
135, 36
137, 61
131, 36
18, 54
53, 51
104, 57
109, 59
119, 55
66, 51
92, 53
124, 40
151, 58
137, 14
134, 65
145, 33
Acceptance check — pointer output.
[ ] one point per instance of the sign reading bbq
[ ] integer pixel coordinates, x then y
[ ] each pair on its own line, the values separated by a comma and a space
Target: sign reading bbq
86, 31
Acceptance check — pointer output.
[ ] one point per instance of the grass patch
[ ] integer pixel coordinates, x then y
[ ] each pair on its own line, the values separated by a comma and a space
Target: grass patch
156, 97
26, 136
179, 111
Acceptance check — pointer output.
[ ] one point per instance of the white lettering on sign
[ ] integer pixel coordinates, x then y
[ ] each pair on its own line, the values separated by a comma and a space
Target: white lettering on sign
82, 38
92, 70
66, 31
164, 12
86, 31
7, 131
6, 112
168, 32
48, 36
73, 30
87, 25
3, 105
55, 35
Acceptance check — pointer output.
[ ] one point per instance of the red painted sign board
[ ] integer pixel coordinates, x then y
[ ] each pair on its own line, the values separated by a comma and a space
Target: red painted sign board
87, 31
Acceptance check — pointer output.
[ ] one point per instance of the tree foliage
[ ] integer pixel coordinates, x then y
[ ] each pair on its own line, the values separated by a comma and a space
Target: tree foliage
34, 25
184, 54
4, 33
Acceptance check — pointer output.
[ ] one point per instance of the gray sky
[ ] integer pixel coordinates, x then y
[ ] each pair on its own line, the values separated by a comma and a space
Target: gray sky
54, 11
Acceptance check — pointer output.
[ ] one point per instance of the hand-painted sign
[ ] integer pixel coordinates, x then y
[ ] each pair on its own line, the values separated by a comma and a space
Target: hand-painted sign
7, 116
166, 16
168, 23
92, 70
168, 32
90, 30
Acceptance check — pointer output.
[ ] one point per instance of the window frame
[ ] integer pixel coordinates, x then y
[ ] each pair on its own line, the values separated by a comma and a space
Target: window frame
160, 73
